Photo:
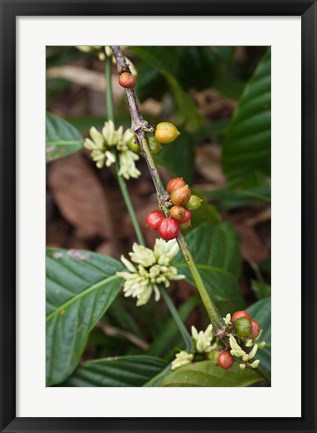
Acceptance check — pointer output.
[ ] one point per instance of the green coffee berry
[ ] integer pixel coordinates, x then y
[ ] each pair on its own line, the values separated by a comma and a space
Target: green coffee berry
193, 203
134, 145
243, 326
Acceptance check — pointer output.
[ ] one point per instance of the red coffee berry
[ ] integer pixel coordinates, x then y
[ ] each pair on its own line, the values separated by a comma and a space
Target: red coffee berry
256, 329
175, 183
168, 228
153, 219
181, 195
178, 212
127, 80
186, 217
225, 360
239, 314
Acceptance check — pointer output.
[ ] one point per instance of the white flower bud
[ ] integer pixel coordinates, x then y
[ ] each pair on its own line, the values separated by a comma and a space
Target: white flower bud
182, 358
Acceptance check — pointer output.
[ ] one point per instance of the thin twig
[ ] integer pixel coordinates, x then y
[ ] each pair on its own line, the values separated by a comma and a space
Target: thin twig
125, 193
140, 127
112, 331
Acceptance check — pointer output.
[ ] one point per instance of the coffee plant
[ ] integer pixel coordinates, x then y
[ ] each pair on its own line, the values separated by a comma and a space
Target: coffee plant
92, 296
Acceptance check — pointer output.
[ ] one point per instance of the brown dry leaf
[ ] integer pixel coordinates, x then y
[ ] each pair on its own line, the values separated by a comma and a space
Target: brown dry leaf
208, 164
80, 197
93, 80
251, 245
262, 216
213, 105
107, 248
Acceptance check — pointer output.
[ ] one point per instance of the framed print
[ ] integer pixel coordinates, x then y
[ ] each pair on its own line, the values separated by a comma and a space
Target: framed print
147, 283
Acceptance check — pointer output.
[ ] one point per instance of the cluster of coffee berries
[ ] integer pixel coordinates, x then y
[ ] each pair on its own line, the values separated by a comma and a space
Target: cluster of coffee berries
179, 213
165, 132
246, 330
244, 326
154, 145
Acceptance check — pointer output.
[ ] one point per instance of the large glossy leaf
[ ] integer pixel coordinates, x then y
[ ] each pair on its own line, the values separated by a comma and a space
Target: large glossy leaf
122, 371
215, 249
80, 286
166, 61
62, 139
206, 213
247, 147
206, 374
261, 312
179, 157
231, 199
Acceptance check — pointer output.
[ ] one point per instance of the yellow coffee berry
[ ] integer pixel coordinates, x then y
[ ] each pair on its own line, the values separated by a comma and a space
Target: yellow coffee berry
166, 132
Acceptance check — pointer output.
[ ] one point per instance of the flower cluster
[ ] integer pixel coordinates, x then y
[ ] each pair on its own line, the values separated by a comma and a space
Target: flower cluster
239, 352
244, 347
152, 268
208, 347
102, 146
201, 345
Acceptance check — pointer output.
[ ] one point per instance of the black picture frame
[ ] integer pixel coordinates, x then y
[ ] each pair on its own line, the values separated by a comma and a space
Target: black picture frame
307, 10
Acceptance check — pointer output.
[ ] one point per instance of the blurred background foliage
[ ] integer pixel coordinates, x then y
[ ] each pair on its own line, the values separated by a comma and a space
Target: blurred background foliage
219, 98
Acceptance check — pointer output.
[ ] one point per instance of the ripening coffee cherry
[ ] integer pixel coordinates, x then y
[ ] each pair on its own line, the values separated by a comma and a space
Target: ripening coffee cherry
225, 360
127, 80
166, 132
184, 226
175, 183
178, 212
168, 228
154, 219
186, 217
243, 326
134, 145
193, 203
256, 329
154, 145
238, 314
181, 195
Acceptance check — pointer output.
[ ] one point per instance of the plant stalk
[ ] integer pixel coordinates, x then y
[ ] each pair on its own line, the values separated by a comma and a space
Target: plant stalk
121, 181
139, 127
181, 327
125, 193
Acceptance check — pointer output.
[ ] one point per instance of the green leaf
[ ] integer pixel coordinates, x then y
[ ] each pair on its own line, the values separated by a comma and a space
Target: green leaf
261, 289
206, 374
169, 336
231, 199
261, 312
166, 61
206, 213
216, 252
133, 370
178, 157
247, 149
62, 139
80, 286
197, 67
